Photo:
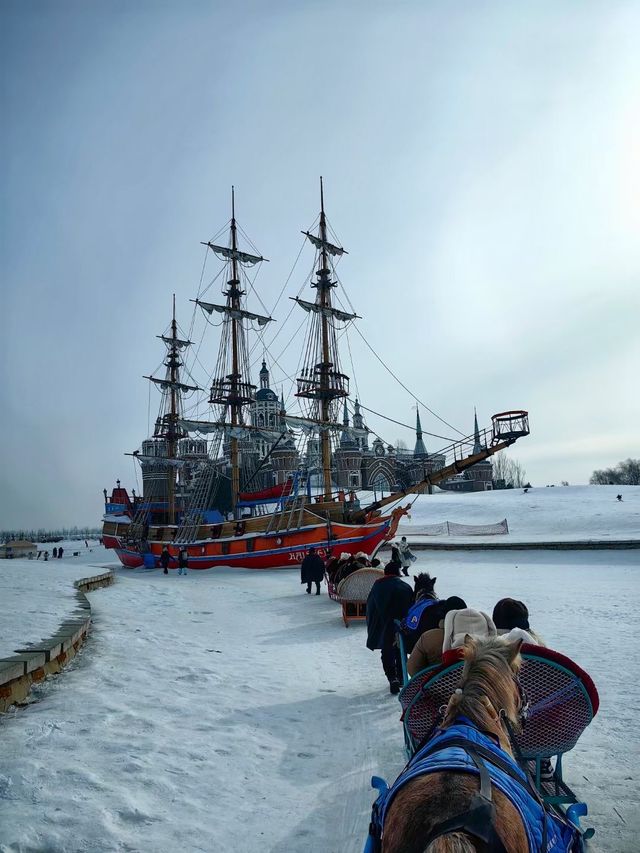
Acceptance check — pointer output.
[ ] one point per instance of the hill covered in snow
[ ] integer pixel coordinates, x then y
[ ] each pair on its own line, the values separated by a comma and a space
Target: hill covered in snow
553, 514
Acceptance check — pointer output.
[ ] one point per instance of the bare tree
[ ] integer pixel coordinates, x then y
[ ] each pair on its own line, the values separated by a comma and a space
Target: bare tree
625, 473
509, 470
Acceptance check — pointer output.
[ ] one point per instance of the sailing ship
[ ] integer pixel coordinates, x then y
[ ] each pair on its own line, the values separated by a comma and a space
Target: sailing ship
200, 490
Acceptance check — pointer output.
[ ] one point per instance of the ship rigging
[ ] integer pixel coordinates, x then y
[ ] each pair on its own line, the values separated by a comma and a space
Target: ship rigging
204, 485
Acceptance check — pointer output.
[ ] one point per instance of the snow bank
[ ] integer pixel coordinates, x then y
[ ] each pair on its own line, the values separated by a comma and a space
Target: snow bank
558, 514
36, 597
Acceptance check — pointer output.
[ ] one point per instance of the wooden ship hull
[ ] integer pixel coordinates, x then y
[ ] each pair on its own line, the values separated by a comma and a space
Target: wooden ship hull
276, 549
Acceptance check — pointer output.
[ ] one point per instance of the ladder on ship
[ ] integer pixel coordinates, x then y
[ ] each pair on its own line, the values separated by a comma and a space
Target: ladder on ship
194, 517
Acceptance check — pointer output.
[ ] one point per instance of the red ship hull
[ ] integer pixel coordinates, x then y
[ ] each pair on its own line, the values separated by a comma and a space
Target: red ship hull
281, 550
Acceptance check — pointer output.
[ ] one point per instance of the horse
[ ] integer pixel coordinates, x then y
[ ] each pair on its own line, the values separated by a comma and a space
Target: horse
424, 587
442, 810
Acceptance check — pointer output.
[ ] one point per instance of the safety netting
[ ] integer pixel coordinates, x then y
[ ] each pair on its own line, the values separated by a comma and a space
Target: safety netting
451, 528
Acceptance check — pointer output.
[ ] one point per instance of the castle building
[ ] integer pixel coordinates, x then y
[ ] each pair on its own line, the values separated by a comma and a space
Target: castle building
356, 466
478, 478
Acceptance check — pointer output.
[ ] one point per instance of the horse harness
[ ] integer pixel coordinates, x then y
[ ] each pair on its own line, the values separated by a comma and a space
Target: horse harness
481, 756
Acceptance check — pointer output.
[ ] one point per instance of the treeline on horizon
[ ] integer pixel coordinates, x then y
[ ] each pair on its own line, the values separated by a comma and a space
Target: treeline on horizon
42, 535
625, 473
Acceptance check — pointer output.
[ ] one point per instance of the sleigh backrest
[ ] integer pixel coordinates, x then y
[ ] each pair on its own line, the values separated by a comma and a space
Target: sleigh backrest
562, 702
357, 585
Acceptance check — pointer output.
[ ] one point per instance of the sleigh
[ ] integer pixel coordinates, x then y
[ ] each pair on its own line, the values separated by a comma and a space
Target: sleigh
352, 594
562, 702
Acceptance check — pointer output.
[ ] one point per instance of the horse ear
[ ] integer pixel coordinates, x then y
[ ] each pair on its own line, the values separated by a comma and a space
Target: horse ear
514, 649
470, 643
433, 581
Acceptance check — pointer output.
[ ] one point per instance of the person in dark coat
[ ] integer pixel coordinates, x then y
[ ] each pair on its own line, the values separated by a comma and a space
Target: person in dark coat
312, 570
60, 553
55, 553
183, 561
165, 559
390, 599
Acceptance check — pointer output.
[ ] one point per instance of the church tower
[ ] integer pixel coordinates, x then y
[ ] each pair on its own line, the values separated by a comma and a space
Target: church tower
419, 451
480, 474
348, 456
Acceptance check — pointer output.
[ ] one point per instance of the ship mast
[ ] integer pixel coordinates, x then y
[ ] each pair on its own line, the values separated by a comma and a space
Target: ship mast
172, 426
324, 286
168, 425
231, 387
234, 294
321, 379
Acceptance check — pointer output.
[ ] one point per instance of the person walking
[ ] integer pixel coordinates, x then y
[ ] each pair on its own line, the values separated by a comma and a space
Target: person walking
165, 558
312, 570
390, 599
406, 557
55, 553
183, 561
60, 553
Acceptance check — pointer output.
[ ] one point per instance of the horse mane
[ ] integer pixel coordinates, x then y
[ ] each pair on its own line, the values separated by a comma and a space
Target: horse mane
487, 689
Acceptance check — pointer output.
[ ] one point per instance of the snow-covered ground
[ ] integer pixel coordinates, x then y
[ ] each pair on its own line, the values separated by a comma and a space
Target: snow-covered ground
36, 597
227, 711
558, 514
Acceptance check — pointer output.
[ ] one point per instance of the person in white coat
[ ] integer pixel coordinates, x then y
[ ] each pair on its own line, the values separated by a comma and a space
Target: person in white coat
406, 557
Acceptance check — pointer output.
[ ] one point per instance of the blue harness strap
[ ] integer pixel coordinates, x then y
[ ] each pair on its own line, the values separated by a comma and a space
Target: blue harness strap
412, 619
462, 748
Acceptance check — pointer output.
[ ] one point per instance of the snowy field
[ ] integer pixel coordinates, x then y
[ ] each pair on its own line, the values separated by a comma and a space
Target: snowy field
558, 514
36, 597
228, 711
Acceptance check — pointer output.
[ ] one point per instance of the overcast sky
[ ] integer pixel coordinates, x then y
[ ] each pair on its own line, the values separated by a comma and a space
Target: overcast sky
481, 165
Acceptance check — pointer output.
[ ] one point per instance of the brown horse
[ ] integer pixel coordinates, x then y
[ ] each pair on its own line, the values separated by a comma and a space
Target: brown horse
489, 693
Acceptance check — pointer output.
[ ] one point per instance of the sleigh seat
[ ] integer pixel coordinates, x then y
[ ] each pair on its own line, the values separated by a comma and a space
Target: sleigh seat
353, 591
562, 701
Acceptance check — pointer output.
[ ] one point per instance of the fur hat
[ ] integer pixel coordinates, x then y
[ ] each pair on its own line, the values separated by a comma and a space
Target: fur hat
361, 556
511, 613
459, 623
344, 555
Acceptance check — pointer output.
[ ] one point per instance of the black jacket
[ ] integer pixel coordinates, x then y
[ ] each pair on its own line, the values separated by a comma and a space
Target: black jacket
390, 598
312, 569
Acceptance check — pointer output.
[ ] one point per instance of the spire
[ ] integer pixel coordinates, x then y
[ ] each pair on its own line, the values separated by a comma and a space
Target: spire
264, 375
419, 449
358, 423
347, 439
477, 446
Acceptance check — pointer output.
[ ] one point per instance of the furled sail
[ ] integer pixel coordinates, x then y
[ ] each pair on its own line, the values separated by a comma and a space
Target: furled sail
167, 383
240, 431
179, 344
159, 461
327, 311
329, 247
310, 425
235, 254
236, 313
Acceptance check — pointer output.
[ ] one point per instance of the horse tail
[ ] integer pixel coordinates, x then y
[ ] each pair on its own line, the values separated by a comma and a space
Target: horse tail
452, 842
